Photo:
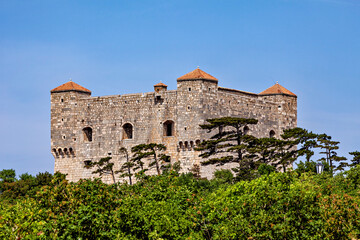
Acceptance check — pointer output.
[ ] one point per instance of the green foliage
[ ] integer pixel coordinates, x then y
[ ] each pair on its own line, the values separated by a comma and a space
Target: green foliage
224, 176
266, 169
356, 158
7, 175
173, 206
152, 152
104, 167
229, 145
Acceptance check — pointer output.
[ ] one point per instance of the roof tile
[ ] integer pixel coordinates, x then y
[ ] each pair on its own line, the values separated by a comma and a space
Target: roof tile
277, 89
70, 86
197, 74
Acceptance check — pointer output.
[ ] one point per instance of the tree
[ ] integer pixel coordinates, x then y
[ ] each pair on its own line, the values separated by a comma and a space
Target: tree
229, 145
126, 167
356, 159
306, 139
104, 167
330, 147
153, 151
7, 175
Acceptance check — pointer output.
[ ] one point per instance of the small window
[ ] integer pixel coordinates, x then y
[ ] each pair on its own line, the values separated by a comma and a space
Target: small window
181, 145
87, 132
246, 130
62, 100
209, 89
197, 142
186, 145
64, 137
191, 144
71, 151
272, 134
189, 89
61, 153
128, 131
66, 151
168, 128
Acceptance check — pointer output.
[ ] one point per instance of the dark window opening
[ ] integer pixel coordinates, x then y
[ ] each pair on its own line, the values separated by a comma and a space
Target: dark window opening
61, 152
71, 151
272, 134
87, 134
168, 128
181, 145
189, 89
128, 131
197, 142
186, 145
191, 144
246, 130
62, 100
87, 162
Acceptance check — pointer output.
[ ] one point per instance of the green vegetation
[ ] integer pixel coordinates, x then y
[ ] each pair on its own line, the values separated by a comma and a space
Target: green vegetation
178, 206
259, 202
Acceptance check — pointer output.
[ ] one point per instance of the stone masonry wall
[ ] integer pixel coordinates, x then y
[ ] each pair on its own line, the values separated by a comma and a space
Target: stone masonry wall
190, 105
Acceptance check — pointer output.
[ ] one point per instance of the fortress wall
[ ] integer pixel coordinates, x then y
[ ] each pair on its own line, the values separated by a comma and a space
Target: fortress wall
190, 105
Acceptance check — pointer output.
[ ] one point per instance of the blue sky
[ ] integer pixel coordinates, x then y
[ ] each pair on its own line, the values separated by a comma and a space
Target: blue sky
312, 47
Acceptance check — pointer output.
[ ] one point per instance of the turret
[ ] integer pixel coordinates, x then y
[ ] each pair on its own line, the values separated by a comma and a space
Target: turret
64, 104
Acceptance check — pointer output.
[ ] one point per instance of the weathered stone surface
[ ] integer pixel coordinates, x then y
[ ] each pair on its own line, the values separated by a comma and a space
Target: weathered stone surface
191, 104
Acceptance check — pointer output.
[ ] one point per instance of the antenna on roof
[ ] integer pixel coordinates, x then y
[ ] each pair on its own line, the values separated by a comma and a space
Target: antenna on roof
277, 82
198, 67
70, 79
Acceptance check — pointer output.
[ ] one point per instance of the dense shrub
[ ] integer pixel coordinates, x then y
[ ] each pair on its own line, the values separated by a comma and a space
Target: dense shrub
173, 206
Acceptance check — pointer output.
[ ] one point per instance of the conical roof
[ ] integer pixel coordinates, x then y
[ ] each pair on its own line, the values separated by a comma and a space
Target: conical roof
277, 89
70, 86
197, 74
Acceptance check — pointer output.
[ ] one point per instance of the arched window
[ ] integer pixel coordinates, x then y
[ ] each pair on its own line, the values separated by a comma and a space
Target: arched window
186, 145
60, 152
191, 144
66, 151
128, 131
55, 152
246, 130
181, 145
197, 142
71, 151
272, 134
168, 128
87, 132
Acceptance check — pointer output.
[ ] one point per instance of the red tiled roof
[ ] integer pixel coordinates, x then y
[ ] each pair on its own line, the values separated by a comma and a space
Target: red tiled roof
160, 84
197, 74
277, 89
70, 86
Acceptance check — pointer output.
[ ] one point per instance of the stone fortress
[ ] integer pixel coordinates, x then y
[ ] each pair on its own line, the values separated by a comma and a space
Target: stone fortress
86, 128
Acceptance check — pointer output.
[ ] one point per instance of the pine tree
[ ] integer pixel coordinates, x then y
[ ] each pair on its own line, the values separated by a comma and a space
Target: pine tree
153, 151
229, 144
104, 167
306, 139
125, 169
330, 147
356, 159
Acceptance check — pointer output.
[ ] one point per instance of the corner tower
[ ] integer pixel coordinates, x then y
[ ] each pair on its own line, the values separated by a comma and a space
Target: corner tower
64, 106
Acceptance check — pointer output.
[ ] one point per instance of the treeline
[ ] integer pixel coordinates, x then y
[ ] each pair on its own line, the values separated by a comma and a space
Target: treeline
291, 205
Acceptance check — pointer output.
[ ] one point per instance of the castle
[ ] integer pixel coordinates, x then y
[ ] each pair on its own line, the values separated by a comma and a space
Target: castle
86, 128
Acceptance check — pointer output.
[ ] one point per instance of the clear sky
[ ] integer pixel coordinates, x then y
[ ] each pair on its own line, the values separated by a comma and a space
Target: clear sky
312, 47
